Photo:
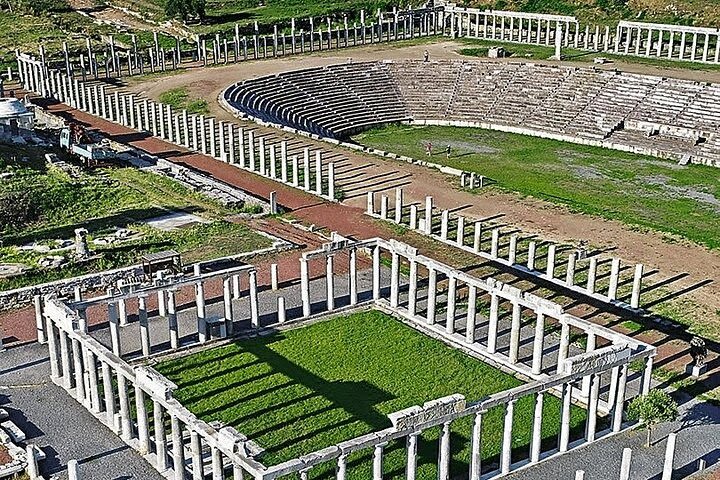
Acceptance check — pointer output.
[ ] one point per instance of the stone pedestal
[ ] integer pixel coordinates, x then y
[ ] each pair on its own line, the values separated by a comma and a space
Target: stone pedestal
696, 371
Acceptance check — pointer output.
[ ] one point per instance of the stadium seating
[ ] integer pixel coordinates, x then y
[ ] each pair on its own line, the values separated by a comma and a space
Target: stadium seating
661, 116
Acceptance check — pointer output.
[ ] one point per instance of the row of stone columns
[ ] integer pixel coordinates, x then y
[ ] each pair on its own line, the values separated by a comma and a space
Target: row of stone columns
426, 223
117, 399
224, 141
330, 293
668, 41
136, 61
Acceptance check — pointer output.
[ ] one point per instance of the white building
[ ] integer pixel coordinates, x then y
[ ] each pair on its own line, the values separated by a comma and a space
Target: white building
14, 112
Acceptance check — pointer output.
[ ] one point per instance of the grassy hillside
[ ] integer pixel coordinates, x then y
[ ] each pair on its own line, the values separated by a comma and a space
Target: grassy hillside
685, 12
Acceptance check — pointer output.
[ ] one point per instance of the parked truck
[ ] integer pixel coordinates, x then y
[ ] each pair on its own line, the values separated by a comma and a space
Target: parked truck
75, 140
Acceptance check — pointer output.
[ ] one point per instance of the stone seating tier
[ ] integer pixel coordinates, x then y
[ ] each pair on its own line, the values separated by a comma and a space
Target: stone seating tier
340, 100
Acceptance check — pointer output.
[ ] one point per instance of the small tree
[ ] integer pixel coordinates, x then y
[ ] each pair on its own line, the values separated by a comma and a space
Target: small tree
651, 409
185, 8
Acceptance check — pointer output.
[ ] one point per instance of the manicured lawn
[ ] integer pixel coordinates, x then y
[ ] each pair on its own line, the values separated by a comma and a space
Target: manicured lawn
635, 189
304, 389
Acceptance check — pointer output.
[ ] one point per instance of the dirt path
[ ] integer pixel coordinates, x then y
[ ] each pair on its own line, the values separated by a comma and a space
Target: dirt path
691, 264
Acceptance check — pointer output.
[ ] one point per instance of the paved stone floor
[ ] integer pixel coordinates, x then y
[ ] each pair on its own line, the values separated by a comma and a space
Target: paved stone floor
55, 422
698, 437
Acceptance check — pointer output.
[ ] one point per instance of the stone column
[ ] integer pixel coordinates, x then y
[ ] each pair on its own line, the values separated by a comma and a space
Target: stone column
506, 454
227, 305
460, 235
79, 372
625, 464
283, 161
432, 290
413, 217
477, 237
273, 167
108, 395
203, 134
384, 207
143, 321
200, 307
470, 317
306, 169
570, 272
73, 470
55, 368
177, 448
142, 421
512, 249
536, 442
39, 323
592, 274
428, 215
281, 312
476, 448
318, 172
330, 283
515, 333
114, 327
412, 290
412, 451
681, 54
378, 461
637, 285
161, 452
619, 406
450, 313
495, 245
564, 345
614, 277
395, 280
217, 464
125, 420
538, 343
444, 221
376, 272
222, 140
493, 323
444, 453
353, 277
564, 436
331, 181
550, 270
532, 246
592, 408
213, 137
254, 318
398, 205
198, 467
647, 376
305, 286
93, 384
172, 320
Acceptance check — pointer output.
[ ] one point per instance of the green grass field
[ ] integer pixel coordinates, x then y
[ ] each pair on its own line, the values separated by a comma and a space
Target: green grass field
304, 389
637, 190
48, 204
179, 98
479, 48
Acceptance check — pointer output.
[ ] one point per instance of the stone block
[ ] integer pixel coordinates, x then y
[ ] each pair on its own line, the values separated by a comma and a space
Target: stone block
696, 371
13, 430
